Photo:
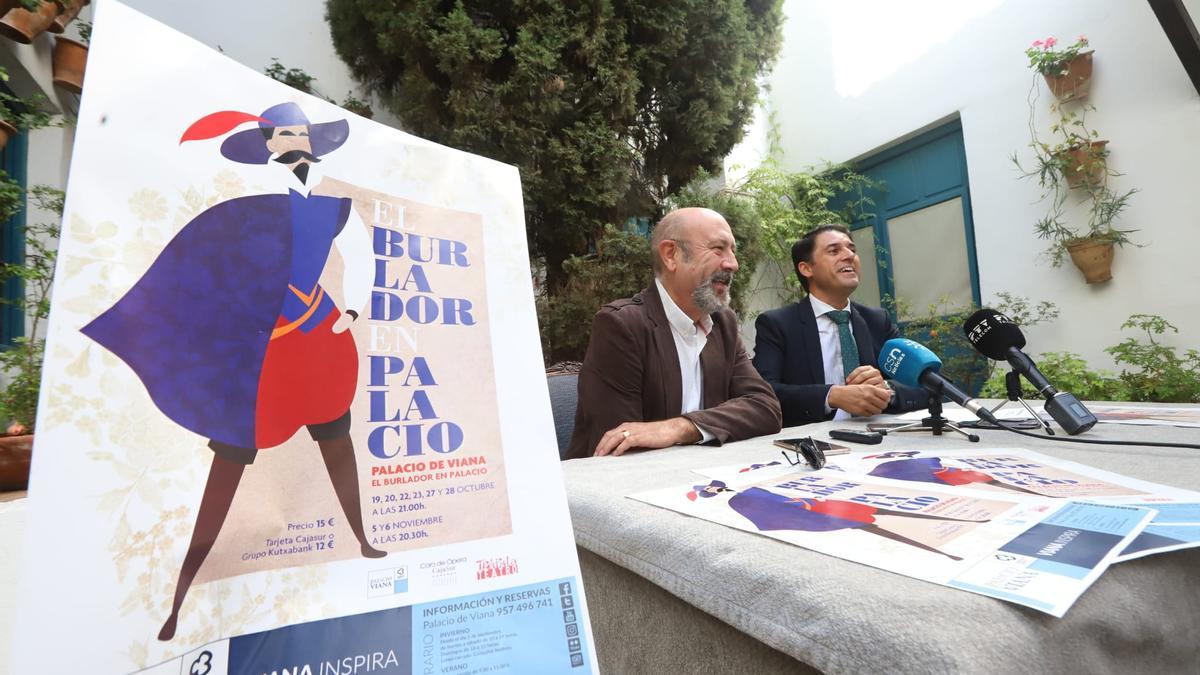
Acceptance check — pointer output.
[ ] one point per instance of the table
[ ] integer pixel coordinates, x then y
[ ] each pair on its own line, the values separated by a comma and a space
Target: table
669, 593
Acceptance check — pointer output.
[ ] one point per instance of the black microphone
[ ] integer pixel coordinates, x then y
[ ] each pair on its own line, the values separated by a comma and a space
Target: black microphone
996, 336
911, 363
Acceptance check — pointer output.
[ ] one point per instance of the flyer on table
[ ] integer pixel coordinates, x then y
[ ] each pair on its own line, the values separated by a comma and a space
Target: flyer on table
270, 435
1034, 551
1022, 471
1018, 472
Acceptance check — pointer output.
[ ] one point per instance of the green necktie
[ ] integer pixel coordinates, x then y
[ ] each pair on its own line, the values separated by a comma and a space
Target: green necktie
849, 349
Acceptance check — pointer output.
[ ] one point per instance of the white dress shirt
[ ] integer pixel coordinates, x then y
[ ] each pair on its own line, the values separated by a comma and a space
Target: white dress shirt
690, 339
831, 349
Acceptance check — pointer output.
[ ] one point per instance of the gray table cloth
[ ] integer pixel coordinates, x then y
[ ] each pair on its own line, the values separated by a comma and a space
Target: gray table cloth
842, 617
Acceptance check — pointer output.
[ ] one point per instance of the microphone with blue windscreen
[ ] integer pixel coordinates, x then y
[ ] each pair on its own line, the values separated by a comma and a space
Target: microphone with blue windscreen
911, 363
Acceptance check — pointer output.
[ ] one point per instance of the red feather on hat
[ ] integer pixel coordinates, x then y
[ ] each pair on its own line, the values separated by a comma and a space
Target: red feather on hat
217, 124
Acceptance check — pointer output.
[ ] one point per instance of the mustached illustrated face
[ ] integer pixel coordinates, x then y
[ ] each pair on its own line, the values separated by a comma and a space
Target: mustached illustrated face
290, 145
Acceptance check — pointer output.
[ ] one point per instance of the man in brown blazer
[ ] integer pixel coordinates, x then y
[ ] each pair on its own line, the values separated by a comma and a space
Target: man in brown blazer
666, 367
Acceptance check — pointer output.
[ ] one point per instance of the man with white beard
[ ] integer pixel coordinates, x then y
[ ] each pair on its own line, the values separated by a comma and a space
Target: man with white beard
666, 367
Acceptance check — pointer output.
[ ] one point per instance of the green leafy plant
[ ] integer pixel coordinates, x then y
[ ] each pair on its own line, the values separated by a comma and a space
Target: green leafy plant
1159, 373
357, 106
84, 29
608, 109
1044, 58
940, 329
619, 268
1069, 372
1077, 159
297, 78
31, 274
769, 210
22, 362
22, 113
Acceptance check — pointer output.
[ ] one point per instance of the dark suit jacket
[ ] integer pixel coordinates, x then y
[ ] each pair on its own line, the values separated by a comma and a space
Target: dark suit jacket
787, 353
631, 374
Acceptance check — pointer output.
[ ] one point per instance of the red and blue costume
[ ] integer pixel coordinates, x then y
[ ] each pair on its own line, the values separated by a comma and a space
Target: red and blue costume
229, 330
232, 334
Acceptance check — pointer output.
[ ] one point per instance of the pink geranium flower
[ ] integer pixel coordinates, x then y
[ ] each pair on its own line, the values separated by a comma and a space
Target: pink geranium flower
1044, 58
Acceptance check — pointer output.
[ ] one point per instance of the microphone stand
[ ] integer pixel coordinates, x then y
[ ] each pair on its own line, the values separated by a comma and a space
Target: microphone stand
1012, 383
935, 422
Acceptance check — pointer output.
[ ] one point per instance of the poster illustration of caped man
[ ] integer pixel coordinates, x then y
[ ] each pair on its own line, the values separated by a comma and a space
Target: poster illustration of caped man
231, 332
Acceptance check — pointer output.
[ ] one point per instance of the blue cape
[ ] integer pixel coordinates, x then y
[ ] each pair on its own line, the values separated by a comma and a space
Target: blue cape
195, 327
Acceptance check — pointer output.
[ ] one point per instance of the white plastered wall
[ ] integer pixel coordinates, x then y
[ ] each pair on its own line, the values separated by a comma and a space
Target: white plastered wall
855, 76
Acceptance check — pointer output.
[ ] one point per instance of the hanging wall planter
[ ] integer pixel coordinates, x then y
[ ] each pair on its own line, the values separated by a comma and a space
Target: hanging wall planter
1093, 258
1085, 164
15, 454
70, 57
1071, 79
7, 132
21, 25
70, 10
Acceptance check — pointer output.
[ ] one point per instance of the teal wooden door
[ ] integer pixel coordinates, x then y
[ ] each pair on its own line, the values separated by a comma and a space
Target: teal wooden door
12, 241
918, 237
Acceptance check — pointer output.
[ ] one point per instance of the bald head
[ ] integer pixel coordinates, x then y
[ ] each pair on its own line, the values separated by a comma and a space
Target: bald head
694, 259
677, 226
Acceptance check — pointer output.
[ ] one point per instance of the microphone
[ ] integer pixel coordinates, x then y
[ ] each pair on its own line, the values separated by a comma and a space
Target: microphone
996, 336
912, 363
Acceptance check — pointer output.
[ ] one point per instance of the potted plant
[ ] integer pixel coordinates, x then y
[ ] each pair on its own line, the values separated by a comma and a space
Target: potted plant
1077, 164
1092, 250
70, 10
17, 114
21, 362
7, 129
1068, 71
27, 19
70, 59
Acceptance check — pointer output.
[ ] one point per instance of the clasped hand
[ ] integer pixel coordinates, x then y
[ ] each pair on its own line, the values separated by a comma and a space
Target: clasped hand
864, 393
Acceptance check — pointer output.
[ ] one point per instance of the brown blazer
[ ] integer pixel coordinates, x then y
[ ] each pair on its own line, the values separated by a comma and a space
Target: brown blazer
631, 374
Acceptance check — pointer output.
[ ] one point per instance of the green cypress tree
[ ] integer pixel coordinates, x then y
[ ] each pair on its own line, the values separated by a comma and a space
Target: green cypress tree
607, 107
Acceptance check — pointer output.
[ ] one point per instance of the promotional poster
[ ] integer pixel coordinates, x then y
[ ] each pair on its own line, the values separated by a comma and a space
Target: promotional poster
294, 416
1033, 551
1021, 471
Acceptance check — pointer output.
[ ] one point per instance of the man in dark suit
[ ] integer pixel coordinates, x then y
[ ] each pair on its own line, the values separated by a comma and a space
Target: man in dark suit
819, 354
666, 367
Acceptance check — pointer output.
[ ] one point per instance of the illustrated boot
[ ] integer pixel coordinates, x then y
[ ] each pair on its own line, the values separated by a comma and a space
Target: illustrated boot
223, 479
338, 454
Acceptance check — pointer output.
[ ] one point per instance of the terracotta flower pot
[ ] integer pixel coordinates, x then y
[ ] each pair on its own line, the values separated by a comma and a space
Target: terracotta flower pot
69, 12
70, 57
7, 131
23, 26
1074, 83
15, 453
1086, 165
1093, 258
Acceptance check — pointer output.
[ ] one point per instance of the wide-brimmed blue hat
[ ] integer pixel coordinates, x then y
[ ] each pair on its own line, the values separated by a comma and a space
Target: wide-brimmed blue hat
250, 146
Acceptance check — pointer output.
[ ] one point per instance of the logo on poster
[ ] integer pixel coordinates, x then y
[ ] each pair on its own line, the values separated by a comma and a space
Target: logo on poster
496, 567
443, 572
387, 582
